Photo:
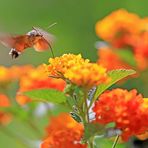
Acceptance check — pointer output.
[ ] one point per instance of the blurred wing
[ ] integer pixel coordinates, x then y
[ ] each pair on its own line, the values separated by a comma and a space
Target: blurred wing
47, 36
41, 45
21, 42
7, 40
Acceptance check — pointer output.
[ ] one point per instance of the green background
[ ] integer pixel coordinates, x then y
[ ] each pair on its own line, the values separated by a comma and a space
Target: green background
74, 33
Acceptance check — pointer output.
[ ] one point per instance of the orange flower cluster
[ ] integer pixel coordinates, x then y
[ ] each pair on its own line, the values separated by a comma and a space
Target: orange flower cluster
78, 70
63, 132
126, 109
124, 29
8, 74
4, 74
110, 60
13, 73
60, 65
36, 78
4, 101
5, 118
118, 26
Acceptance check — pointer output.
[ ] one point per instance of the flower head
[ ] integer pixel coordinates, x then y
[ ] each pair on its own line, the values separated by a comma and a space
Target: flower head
36, 78
124, 109
60, 65
78, 70
4, 101
63, 132
110, 60
87, 75
5, 118
10, 74
4, 74
118, 26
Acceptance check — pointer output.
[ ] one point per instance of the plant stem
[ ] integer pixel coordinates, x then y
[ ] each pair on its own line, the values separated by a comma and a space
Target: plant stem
90, 142
86, 107
86, 119
116, 141
86, 110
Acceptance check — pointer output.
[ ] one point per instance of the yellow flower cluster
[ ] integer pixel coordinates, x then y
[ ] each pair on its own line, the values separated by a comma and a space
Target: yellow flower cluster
78, 70
60, 65
88, 74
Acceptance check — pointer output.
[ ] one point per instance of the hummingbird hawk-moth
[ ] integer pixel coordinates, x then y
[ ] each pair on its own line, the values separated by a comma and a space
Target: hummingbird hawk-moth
37, 38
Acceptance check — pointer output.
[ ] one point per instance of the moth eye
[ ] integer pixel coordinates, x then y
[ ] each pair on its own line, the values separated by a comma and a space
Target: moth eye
32, 33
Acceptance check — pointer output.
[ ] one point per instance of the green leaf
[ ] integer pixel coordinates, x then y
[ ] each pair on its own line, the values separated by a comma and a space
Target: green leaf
48, 95
110, 125
115, 76
92, 129
76, 117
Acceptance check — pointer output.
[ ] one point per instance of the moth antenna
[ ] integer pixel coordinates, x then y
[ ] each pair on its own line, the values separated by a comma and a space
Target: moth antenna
34, 28
52, 25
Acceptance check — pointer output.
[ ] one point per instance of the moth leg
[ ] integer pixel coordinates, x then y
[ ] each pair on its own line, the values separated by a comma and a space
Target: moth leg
14, 53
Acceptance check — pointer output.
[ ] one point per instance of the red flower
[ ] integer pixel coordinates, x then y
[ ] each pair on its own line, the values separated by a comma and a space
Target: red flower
63, 132
124, 109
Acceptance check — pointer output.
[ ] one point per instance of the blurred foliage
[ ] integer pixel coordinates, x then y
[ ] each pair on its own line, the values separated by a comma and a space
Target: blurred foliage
75, 24
74, 33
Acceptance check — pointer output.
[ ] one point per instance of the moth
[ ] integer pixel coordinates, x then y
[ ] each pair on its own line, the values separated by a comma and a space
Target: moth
37, 38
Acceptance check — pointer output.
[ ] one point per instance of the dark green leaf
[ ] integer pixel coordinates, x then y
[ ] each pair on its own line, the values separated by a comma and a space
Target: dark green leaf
115, 76
76, 117
49, 95
92, 129
110, 125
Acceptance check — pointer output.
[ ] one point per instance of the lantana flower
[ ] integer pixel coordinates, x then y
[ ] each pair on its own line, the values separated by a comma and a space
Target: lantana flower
4, 100
36, 78
110, 60
78, 70
120, 31
5, 117
63, 132
13, 73
125, 109
118, 26
60, 65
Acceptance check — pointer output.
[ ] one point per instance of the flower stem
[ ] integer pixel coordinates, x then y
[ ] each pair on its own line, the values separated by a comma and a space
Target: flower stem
90, 142
86, 108
86, 111
116, 141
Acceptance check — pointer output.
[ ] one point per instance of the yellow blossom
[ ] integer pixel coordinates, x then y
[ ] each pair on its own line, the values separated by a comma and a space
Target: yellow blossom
60, 65
78, 70
87, 75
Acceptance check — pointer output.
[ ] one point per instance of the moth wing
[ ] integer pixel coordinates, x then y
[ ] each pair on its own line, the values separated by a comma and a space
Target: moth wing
41, 45
47, 36
21, 42
18, 42
7, 40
